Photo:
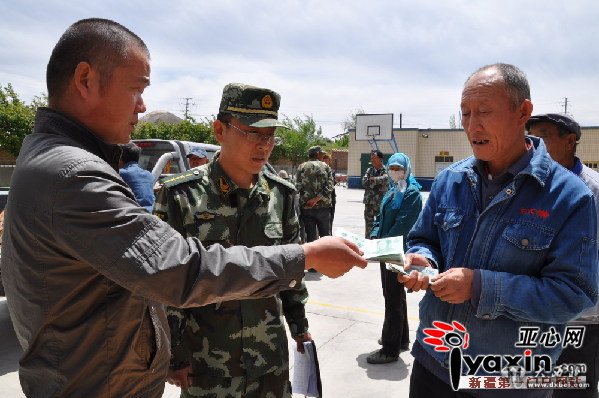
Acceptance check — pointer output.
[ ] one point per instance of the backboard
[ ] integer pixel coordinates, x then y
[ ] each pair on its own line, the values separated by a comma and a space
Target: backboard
374, 127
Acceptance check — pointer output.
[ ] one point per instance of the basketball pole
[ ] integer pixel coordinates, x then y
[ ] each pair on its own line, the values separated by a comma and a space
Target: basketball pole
392, 142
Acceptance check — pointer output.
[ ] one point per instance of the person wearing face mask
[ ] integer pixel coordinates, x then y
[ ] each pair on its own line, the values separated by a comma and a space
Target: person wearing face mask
400, 208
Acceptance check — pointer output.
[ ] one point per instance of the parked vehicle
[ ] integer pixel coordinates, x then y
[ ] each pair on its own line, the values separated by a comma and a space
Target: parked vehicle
166, 157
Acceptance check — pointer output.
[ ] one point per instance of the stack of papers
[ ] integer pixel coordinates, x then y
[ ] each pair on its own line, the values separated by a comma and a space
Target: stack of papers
306, 374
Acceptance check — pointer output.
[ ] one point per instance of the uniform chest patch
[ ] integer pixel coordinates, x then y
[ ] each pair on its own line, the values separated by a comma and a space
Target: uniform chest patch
223, 186
204, 216
265, 186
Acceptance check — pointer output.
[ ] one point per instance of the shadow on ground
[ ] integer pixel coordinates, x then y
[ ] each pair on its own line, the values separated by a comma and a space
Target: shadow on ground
394, 371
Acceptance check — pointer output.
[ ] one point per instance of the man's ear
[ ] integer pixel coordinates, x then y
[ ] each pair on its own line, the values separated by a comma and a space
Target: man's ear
571, 141
218, 130
525, 110
85, 79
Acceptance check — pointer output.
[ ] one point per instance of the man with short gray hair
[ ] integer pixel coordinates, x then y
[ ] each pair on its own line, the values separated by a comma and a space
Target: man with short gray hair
513, 236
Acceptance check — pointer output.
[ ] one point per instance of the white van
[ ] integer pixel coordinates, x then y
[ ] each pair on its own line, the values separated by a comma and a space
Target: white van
165, 157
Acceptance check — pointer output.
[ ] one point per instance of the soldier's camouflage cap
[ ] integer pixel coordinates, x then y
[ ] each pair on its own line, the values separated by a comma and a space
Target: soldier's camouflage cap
252, 106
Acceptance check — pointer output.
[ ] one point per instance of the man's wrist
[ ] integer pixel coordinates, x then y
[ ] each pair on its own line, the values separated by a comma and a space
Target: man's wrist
432, 263
178, 365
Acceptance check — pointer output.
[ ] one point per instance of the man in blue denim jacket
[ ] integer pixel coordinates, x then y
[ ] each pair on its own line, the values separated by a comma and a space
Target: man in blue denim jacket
513, 235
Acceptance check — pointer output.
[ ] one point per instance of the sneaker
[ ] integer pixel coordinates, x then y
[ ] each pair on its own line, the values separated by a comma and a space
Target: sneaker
380, 358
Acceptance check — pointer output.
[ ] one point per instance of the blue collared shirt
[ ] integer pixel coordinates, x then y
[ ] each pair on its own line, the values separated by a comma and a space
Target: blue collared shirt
141, 183
490, 186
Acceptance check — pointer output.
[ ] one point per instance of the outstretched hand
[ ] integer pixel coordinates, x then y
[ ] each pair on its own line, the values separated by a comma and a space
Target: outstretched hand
333, 256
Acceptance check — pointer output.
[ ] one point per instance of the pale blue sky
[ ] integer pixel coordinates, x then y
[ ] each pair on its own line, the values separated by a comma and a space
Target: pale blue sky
328, 58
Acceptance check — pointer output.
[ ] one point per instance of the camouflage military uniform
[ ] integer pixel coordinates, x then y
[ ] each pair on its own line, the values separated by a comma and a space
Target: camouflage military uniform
315, 179
375, 189
235, 348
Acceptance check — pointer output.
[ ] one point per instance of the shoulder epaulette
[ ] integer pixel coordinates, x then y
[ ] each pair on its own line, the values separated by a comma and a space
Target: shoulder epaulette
186, 176
279, 180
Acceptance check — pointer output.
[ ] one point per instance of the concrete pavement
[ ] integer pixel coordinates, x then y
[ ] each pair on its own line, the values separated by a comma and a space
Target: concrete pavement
345, 315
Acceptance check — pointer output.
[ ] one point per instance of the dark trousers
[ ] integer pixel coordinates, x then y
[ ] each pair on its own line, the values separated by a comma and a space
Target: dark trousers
317, 223
424, 384
395, 327
587, 354
332, 208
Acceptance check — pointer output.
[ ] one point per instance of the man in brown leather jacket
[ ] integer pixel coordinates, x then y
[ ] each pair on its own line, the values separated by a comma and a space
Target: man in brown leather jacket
86, 270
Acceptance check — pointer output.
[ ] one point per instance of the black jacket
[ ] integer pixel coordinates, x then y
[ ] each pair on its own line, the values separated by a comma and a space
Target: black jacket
86, 270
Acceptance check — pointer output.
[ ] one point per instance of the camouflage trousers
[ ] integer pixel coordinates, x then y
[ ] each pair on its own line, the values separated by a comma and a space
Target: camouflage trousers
370, 212
270, 385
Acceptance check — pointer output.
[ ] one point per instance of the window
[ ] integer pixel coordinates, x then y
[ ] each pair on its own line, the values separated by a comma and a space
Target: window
442, 161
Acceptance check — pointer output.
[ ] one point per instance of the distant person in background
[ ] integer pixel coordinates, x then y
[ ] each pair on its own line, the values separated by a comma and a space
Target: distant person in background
375, 185
314, 183
326, 158
284, 175
561, 135
139, 180
197, 157
400, 208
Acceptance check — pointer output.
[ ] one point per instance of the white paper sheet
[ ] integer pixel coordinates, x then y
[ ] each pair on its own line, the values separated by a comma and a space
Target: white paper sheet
305, 376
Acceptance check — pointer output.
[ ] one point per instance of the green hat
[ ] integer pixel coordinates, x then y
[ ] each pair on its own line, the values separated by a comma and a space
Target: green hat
252, 106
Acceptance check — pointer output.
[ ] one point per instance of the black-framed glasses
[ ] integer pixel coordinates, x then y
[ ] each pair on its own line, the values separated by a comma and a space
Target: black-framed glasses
254, 136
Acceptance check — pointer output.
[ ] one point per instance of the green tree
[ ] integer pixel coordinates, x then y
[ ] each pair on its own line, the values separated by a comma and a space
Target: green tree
301, 133
341, 141
16, 118
350, 120
186, 130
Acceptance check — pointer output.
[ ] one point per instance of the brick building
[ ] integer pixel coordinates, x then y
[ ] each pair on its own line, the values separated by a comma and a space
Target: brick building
432, 150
